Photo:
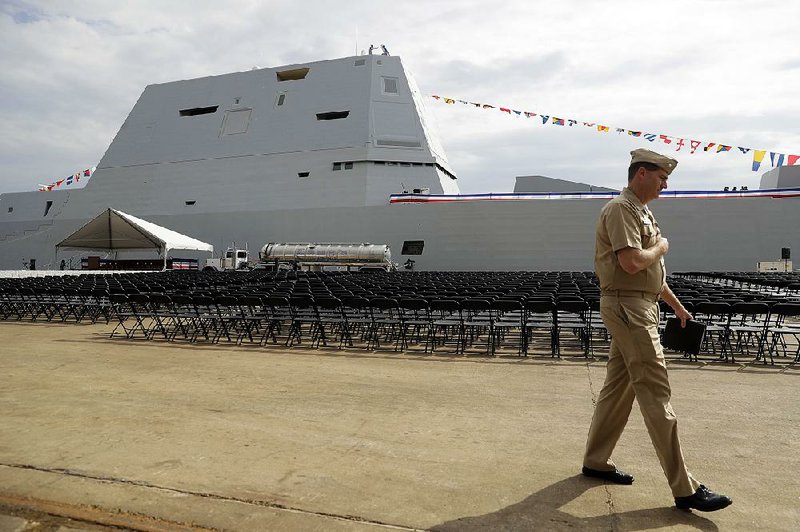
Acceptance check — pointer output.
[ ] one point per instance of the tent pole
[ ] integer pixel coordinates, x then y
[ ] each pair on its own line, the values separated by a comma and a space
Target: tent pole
110, 241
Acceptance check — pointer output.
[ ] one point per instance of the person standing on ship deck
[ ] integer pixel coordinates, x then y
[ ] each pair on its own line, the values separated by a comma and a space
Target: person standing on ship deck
629, 262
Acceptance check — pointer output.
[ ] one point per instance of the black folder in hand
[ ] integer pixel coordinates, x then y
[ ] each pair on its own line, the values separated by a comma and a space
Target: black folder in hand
684, 339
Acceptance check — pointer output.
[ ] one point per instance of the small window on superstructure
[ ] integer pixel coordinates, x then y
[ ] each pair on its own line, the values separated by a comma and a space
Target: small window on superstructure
360, 62
194, 111
281, 99
190, 202
294, 74
11, 209
337, 167
47, 207
236, 101
390, 85
333, 115
303, 174
348, 166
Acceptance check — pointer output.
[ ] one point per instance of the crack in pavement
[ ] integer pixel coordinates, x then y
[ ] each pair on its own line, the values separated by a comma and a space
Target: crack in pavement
609, 498
215, 496
591, 385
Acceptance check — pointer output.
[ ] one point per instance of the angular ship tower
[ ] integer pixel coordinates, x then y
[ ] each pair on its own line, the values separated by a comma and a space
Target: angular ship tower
341, 151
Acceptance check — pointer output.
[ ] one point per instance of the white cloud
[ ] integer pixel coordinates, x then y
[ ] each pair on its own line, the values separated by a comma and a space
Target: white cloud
723, 71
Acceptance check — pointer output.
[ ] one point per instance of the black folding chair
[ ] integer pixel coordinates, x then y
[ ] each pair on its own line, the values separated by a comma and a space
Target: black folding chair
716, 315
571, 316
357, 319
476, 322
100, 305
747, 328
782, 327
163, 315
415, 316
446, 324
540, 316
7, 305
330, 314
385, 321
182, 318
203, 316
254, 314
122, 312
140, 311
228, 317
304, 314
507, 322
278, 314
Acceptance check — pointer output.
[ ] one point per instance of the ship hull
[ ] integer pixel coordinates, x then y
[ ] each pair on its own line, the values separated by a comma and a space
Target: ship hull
556, 234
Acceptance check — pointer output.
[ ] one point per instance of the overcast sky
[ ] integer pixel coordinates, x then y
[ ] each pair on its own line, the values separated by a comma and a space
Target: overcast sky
725, 71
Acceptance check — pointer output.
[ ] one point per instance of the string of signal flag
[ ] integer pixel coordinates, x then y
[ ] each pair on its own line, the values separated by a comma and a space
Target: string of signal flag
69, 180
776, 159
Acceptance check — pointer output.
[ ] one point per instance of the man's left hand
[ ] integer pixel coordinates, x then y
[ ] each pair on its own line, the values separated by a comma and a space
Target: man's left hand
683, 315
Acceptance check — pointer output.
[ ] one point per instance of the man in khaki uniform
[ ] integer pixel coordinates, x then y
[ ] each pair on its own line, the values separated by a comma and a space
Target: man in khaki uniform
629, 261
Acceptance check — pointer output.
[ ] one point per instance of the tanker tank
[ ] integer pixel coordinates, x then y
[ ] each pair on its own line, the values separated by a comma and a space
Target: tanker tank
310, 255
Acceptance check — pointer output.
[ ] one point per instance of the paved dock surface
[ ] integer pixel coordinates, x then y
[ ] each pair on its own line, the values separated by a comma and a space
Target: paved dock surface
149, 435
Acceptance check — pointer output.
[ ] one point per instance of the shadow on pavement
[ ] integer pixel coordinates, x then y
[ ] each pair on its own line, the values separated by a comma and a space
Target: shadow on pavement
542, 511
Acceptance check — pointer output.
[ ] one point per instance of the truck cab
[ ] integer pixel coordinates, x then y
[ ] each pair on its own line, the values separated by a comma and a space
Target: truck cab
233, 259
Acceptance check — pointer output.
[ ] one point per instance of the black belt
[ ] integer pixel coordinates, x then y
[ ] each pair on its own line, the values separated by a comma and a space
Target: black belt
649, 296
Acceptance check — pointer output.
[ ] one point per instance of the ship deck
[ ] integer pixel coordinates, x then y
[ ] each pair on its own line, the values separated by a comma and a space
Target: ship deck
792, 192
152, 435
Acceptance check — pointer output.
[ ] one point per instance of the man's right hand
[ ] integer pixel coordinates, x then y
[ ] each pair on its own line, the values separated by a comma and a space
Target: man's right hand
663, 243
634, 260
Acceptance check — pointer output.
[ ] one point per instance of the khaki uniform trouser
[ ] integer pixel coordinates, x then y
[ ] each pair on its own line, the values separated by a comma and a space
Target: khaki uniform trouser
636, 369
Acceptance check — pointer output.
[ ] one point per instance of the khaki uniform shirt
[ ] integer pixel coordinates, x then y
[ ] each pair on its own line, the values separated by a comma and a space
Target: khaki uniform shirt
625, 222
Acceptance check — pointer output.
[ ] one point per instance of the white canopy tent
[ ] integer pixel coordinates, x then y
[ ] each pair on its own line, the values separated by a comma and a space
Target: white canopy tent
114, 230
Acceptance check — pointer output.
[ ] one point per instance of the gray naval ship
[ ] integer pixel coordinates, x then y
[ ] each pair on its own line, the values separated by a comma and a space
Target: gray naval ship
342, 151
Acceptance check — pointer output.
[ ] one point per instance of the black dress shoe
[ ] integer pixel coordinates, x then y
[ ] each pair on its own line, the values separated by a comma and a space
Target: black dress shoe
616, 476
704, 500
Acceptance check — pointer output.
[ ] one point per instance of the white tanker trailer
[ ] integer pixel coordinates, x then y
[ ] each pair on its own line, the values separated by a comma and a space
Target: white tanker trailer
327, 255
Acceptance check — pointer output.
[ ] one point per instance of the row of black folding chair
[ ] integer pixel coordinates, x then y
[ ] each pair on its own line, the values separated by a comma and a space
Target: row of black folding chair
493, 324
742, 328
407, 321
146, 315
54, 303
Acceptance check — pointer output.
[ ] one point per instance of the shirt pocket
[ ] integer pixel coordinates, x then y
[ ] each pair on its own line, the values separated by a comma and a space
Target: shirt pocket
648, 235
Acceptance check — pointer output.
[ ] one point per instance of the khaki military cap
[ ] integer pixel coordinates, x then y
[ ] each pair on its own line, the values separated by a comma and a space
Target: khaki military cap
641, 155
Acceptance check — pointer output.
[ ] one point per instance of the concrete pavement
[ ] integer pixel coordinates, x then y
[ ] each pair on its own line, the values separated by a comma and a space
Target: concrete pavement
155, 436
